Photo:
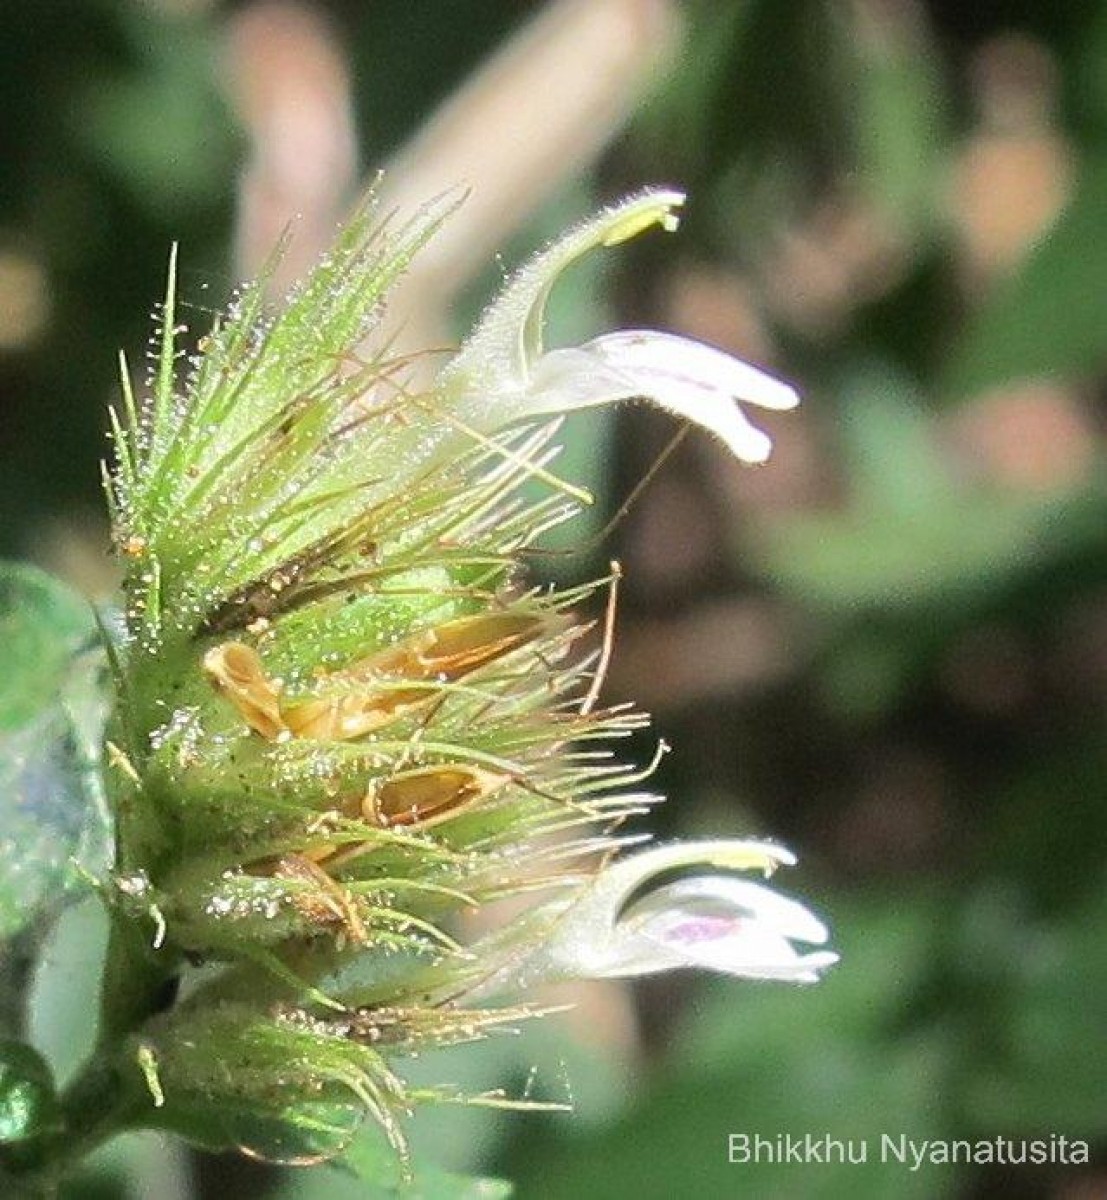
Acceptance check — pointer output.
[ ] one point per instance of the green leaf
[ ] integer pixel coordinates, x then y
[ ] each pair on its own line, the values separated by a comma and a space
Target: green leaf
42, 624
913, 535
372, 1171
945, 555
52, 710
1037, 1074
161, 129
891, 84
1050, 318
301, 1134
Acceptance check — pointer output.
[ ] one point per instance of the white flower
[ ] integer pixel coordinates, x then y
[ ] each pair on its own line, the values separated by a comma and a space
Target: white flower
503, 374
717, 923
672, 907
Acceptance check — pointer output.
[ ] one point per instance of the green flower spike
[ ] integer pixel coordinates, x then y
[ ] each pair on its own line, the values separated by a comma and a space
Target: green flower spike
343, 720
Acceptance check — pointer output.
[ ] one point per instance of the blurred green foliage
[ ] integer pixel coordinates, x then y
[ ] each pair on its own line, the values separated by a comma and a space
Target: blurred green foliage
52, 810
873, 182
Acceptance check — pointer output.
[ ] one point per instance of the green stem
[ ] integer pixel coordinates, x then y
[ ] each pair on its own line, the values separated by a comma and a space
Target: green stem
99, 1104
135, 979
17, 960
104, 1099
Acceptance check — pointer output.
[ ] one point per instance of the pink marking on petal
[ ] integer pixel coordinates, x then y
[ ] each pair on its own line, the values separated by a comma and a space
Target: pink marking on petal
703, 929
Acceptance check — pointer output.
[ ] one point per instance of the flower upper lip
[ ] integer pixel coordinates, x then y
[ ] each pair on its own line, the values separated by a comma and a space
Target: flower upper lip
503, 373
